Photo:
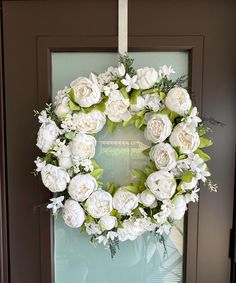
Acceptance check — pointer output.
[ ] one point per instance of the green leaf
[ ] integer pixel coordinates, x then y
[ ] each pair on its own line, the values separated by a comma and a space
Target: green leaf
134, 95
119, 224
72, 94
182, 156
139, 122
187, 177
202, 154
97, 173
129, 122
205, 142
162, 95
146, 151
165, 111
139, 173
73, 106
89, 219
111, 126
173, 115
70, 135
132, 189
124, 93
101, 106
95, 165
112, 188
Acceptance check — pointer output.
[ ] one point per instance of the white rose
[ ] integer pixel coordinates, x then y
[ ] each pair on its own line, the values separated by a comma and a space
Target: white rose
158, 128
124, 202
99, 204
83, 146
64, 158
153, 101
117, 107
139, 105
86, 92
146, 77
185, 137
164, 156
47, 135
162, 184
147, 198
107, 222
73, 214
179, 208
81, 186
178, 100
55, 178
189, 186
90, 123
62, 107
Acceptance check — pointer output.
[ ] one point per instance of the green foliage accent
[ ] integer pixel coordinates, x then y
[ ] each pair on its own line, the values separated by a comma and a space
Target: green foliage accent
133, 189
51, 158
72, 94
95, 165
182, 156
202, 130
134, 95
139, 173
146, 151
89, 219
70, 135
162, 95
128, 63
202, 154
124, 93
113, 245
205, 142
73, 106
111, 126
97, 173
139, 121
187, 176
112, 188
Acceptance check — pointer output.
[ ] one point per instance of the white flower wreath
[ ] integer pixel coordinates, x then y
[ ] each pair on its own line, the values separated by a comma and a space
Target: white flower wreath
155, 104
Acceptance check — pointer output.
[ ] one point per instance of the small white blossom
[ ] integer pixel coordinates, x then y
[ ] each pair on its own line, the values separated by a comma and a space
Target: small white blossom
121, 70
130, 82
165, 71
40, 164
193, 196
192, 118
108, 89
56, 203
165, 228
198, 166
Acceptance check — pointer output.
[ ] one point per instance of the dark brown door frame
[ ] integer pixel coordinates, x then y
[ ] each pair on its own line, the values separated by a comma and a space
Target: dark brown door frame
47, 45
4, 260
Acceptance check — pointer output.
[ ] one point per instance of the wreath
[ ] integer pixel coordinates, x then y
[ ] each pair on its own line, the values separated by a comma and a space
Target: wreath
154, 103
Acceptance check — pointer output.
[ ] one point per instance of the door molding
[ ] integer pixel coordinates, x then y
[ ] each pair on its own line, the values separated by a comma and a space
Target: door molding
194, 45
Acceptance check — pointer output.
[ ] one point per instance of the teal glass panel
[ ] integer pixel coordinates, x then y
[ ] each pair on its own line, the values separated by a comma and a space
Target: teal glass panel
144, 260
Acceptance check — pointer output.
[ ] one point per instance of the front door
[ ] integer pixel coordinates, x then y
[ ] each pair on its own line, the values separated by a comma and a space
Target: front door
47, 44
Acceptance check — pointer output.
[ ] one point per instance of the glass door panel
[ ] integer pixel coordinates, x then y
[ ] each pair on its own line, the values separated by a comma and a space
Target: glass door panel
144, 260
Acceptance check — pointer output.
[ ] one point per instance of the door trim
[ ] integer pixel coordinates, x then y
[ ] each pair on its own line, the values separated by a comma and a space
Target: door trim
48, 44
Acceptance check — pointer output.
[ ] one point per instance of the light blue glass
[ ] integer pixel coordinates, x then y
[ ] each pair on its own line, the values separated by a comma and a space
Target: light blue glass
143, 260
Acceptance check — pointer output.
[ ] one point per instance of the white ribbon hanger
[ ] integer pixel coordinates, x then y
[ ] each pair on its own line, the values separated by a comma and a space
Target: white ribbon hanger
122, 26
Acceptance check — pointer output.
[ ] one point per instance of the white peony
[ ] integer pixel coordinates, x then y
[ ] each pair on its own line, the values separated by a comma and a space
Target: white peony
185, 137
178, 100
62, 107
47, 135
117, 107
129, 231
164, 156
178, 207
107, 222
64, 158
124, 201
162, 184
147, 77
139, 105
55, 178
83, 146
86, 92
158, 128
189, 186
73, 214
90, 123
153, 101
81, 187
147, 198
99, 204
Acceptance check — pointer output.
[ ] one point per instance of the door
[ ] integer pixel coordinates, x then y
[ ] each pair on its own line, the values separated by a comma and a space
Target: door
36, 36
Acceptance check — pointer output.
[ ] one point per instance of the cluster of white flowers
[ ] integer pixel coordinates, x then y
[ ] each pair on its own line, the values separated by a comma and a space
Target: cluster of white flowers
177, 162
